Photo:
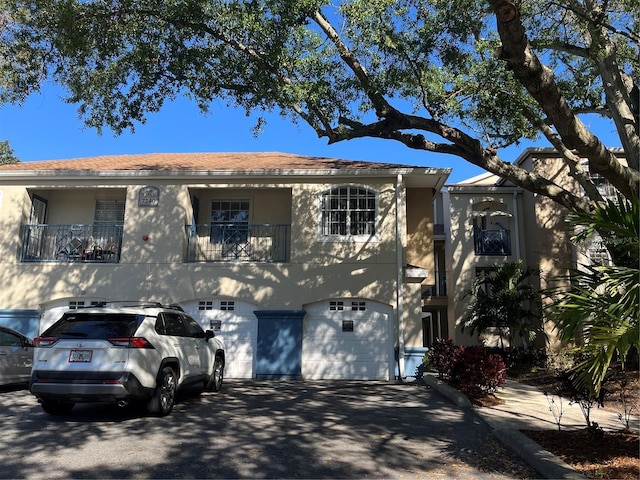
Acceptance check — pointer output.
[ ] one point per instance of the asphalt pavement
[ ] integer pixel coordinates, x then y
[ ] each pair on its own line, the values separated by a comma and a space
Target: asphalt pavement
261, 429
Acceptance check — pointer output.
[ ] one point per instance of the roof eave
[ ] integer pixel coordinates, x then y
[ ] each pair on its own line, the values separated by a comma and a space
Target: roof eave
414, 173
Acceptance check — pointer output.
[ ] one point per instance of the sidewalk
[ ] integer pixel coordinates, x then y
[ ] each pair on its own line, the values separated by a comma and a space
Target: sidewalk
527, 408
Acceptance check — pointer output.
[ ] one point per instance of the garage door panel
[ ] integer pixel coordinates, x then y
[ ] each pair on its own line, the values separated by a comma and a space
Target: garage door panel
342, 349
341, 371
239, 333
240, 337
364, 353
374, 326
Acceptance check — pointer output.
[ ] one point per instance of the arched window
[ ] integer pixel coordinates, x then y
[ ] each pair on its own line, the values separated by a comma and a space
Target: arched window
348, 211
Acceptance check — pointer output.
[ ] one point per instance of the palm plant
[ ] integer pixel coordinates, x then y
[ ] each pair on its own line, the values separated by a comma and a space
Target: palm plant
504, 300
603, 302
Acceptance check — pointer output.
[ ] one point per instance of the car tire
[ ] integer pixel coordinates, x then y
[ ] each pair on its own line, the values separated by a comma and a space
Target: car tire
215, 380
53, 407
164, 396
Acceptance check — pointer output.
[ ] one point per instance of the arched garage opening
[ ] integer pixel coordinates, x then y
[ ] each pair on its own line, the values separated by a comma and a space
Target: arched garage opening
347, 339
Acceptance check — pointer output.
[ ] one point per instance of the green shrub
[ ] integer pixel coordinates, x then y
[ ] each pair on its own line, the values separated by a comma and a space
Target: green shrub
521, 361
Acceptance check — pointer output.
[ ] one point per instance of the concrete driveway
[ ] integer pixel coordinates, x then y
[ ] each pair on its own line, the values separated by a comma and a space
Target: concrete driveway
255, 429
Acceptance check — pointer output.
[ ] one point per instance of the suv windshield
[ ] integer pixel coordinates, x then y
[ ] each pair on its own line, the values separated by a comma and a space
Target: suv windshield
96, 326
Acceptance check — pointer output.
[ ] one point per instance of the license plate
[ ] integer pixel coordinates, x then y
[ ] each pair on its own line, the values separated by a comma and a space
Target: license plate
80, 356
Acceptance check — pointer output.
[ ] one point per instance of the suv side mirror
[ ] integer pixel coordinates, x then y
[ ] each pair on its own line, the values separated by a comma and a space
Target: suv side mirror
209, 334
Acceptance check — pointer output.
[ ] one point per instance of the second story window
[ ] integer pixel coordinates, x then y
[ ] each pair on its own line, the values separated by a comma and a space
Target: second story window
605, 188
229, 218
491, 234
348, 212
230, 228
109, 212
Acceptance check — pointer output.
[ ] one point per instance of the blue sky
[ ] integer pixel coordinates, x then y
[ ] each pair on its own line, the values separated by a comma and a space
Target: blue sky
46, 128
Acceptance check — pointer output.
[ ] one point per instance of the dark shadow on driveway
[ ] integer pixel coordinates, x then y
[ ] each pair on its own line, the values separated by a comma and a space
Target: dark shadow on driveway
259, 429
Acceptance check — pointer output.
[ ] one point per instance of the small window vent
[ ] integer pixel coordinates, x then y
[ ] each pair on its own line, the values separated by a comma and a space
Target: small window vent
336, 306
228, 306
205, 305
225, 305
358, 306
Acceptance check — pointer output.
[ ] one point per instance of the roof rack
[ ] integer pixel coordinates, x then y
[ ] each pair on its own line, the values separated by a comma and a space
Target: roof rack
133, 304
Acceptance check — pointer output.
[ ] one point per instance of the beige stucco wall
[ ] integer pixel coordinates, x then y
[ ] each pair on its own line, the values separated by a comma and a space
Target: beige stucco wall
419, 253
462, 256
420, 228
151, 265
553, 247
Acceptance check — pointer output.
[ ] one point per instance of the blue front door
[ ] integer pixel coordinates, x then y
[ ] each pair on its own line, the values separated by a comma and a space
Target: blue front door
279, 354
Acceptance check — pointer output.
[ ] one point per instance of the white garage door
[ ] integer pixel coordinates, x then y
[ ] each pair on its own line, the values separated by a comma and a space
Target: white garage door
347, 340
238, 331
53, 311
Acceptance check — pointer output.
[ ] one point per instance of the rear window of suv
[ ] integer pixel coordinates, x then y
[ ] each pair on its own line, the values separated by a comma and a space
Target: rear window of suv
96, 326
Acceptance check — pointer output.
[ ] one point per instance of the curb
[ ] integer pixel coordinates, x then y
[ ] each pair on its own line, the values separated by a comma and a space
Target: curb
452, 394
543, 461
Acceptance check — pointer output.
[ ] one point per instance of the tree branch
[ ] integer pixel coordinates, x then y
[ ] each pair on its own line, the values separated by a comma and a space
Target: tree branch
561, 47
539, 82
462, 146
374, 94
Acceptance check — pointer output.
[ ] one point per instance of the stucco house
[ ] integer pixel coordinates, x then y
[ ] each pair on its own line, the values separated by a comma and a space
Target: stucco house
307, 267
487, 221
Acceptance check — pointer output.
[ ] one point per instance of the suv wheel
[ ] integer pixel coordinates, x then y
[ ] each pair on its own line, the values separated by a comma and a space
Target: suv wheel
53, 407
164, 396
215, 380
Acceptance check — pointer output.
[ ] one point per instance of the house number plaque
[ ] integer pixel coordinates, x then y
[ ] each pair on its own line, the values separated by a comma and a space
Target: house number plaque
148, 197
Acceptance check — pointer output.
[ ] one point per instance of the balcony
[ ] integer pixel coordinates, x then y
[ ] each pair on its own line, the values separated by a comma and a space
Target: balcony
492, 242
71, 243
237, 242
440, 287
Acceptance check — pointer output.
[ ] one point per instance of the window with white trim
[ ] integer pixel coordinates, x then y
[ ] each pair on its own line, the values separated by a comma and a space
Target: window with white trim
598, 254
206, 305
109, 212
603, 186
224, 305
348, 211
336, 306
75, 304
227, 305
229, 218
358, 306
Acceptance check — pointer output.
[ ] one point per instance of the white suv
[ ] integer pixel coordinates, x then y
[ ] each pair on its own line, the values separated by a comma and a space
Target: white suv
122, 354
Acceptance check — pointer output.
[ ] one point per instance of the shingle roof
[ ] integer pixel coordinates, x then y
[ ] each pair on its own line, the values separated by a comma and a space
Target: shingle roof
200, 162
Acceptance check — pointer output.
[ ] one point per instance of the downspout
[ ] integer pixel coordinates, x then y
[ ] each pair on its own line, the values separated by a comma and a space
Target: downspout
516, 225
400, 266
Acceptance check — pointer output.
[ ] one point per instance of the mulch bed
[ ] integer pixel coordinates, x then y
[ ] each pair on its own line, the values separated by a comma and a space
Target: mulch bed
610, 455
605, 455
594, 454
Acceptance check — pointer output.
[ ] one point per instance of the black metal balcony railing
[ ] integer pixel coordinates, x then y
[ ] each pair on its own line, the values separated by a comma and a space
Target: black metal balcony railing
71, 243
237, 242
440, 287
492, 242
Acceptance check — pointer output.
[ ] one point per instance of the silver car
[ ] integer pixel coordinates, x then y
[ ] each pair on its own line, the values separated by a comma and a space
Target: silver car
16, 357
